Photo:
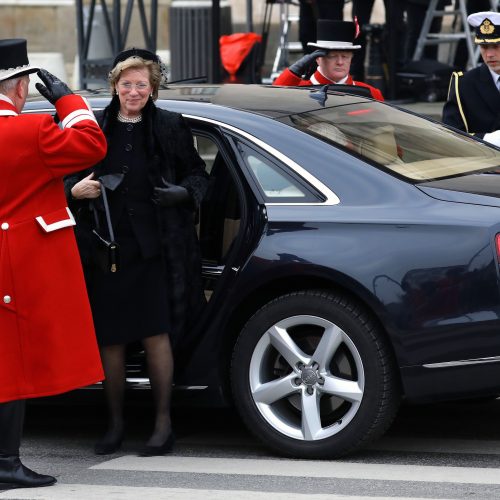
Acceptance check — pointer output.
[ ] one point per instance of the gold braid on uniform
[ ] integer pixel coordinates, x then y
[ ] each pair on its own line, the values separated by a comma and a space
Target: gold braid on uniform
456, 76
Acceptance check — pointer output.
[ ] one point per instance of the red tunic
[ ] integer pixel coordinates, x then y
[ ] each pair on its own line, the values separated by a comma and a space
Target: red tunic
47, 340
289, 79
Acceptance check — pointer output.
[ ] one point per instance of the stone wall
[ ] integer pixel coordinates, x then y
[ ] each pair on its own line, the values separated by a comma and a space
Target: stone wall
50, 25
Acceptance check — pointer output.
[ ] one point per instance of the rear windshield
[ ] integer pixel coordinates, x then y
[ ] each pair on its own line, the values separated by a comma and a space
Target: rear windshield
407, 145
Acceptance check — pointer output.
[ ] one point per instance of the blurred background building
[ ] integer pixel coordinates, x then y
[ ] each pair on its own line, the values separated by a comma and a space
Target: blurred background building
50, 26
62, 38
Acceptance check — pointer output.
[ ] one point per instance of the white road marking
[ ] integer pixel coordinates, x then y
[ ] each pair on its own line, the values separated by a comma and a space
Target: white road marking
86, 491
301, 468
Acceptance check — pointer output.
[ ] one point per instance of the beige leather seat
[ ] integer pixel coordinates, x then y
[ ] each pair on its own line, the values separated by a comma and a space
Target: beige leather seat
380, 146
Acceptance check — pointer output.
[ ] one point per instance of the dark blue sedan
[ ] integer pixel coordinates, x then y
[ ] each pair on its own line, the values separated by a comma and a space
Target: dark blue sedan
351, 259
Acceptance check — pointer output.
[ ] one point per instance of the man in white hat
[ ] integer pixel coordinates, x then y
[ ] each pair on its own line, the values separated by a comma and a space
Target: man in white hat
335, 49
473, 103
48, 344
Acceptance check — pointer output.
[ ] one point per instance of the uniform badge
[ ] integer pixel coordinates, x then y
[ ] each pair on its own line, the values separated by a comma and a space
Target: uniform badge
487, 27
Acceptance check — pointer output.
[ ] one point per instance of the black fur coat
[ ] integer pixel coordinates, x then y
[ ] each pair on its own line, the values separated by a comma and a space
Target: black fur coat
172, 156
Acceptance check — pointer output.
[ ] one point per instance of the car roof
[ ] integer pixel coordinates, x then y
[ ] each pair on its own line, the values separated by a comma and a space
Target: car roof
266, 100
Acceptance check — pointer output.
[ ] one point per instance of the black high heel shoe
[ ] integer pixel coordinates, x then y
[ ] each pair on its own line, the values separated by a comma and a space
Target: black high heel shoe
108, 446
162, 449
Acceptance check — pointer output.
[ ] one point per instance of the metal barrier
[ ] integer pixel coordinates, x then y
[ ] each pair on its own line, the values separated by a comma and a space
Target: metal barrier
191, 39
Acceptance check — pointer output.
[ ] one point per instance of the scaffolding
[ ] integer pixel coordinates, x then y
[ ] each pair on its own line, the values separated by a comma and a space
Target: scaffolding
93, 68
460, 30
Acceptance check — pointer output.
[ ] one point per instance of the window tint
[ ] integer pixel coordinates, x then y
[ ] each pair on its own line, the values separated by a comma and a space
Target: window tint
274, 182
407, 145
207, 149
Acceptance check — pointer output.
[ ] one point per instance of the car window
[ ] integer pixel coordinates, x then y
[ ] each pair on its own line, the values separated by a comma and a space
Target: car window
275, 184
207, 149
407, 145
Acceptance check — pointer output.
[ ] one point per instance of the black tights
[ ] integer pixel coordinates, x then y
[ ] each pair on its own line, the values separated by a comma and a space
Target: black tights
160, 366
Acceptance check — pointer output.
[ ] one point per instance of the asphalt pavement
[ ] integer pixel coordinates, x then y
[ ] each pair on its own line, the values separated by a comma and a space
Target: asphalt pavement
442, 451
430, 109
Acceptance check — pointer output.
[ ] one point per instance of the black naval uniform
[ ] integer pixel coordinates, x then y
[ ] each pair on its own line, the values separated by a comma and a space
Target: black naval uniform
473, 103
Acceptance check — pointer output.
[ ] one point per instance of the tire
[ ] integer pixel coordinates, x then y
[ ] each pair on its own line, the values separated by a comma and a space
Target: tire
313, 377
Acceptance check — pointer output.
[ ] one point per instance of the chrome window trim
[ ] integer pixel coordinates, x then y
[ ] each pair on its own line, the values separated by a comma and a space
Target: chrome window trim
464, 362
331, 197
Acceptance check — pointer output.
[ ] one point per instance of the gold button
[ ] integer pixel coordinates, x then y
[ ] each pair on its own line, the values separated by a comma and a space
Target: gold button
5, 226
7, 299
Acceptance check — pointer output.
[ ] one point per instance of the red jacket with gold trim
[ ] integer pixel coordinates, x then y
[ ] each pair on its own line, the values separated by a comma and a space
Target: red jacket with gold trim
289, 79
47, 339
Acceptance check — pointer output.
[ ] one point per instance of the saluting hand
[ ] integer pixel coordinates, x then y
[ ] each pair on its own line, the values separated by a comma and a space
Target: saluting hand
53, 89
86, 188
299, 67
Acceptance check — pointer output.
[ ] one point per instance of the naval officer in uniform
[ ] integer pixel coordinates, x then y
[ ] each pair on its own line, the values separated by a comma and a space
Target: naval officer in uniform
473, 103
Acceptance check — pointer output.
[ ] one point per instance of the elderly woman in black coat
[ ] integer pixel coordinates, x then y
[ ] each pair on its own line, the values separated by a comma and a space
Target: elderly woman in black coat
155, 181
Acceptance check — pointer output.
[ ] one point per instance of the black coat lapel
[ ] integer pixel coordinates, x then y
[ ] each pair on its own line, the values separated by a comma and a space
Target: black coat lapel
489, 92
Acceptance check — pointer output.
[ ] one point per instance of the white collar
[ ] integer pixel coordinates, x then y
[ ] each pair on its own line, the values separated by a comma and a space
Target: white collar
3, 97
495, 76
340, 82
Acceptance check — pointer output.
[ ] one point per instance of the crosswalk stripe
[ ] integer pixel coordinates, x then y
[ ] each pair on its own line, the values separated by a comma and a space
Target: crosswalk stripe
310, 468
112, 492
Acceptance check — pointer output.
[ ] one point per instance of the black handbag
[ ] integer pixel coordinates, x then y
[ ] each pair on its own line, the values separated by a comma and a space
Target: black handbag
105, 251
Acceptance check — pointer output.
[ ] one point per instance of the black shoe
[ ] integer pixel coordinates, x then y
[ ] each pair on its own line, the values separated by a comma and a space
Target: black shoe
13, 474
108, 446
162, 449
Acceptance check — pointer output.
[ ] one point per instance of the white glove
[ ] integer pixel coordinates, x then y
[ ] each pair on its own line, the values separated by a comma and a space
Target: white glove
493, 138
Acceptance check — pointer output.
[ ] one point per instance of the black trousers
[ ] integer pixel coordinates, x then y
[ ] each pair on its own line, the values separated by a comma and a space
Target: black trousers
11, 427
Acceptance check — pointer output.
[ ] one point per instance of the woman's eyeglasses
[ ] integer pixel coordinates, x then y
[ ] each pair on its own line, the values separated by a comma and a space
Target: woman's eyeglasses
130, 86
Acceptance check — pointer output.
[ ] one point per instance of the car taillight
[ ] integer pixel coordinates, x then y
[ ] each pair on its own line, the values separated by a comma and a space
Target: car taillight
497, 246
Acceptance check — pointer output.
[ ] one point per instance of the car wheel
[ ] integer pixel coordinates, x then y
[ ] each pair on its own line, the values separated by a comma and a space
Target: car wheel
313, 377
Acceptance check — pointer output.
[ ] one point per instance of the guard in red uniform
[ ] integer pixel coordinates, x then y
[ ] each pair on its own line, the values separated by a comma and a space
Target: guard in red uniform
333, 57
47, 340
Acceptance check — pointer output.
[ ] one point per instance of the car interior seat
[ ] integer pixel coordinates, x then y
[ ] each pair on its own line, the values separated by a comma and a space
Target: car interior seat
380, 145
220, 213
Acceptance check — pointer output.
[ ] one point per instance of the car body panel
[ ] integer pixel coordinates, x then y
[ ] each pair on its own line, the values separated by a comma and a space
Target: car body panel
418, 256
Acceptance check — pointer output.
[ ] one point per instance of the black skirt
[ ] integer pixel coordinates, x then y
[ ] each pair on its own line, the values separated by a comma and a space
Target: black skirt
132, 303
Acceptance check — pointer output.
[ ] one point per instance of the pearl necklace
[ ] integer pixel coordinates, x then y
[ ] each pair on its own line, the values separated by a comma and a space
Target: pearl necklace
126, 119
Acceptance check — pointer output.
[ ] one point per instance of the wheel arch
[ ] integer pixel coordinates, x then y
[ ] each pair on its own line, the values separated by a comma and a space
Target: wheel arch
270, 290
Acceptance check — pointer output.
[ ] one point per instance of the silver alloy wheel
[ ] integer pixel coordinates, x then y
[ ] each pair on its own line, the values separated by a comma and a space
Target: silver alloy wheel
310, 400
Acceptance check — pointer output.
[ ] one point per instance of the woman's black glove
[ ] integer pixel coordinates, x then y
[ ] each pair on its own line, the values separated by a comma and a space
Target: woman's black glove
171, 196
53, 89
299, 67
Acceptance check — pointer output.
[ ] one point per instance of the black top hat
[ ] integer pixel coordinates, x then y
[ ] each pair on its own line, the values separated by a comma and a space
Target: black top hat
134, 52
14, 59
487, 26
336, 35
